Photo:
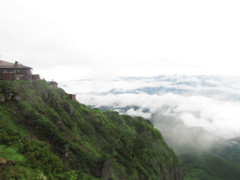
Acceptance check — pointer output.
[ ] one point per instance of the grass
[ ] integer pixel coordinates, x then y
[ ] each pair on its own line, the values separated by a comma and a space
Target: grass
210, 167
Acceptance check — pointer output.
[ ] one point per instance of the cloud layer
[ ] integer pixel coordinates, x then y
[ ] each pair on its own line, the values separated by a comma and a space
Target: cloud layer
219, 117
191, 111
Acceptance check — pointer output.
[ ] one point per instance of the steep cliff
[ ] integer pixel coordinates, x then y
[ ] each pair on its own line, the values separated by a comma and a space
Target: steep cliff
46, 135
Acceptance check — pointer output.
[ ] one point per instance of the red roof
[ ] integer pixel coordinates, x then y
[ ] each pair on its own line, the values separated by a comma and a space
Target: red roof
5, 64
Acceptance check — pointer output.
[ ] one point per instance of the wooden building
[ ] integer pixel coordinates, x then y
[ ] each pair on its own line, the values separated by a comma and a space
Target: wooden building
16, 71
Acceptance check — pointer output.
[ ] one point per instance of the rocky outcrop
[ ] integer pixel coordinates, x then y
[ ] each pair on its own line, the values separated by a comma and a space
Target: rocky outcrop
2, 98
110, 171
2, 161
107, 170
69, 108
8, 93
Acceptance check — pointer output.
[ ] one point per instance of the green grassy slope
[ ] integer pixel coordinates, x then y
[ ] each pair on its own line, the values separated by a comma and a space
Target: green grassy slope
209, 167
51, 136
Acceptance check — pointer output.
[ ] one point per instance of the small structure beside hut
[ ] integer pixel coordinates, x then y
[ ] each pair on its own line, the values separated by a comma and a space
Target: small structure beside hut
72, 97
16, 71
53, 84
35, 77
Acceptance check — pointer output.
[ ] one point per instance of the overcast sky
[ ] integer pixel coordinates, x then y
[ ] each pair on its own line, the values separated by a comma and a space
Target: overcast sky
70, 39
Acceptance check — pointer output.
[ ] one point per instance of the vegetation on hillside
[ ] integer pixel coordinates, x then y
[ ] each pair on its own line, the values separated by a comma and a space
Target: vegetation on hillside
209, 167
48, 135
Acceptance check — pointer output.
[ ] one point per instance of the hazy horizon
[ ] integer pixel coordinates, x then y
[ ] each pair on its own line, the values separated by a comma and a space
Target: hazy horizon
128, 38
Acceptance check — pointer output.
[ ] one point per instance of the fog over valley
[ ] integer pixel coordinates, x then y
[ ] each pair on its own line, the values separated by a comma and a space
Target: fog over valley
192, 112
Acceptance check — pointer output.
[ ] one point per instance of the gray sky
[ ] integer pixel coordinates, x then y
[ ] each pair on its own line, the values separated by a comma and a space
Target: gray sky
127, 37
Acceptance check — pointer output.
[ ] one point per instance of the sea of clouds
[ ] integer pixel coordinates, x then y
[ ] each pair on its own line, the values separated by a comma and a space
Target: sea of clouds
192, 112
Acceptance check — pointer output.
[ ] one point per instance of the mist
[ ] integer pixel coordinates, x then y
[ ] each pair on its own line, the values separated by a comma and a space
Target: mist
185, 139
193, 113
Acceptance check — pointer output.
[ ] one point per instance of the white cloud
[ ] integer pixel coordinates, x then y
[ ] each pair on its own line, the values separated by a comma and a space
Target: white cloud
133, 112
196, 119
219, 117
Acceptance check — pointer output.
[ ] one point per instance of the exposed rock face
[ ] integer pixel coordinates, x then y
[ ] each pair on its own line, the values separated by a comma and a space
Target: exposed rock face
69, 108
176, 174
8, 96
66, 150
110, 170
107, 170
17, 98
3, 161
7, 93
2, 98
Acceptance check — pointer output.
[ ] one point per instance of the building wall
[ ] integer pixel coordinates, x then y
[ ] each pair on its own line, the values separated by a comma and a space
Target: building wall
72, 97
35, 77
6, 70
15, 74
8, 76
24, 74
